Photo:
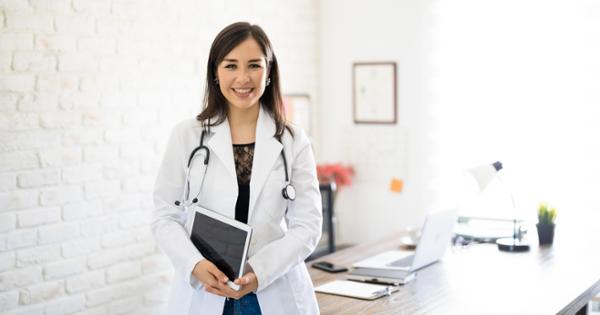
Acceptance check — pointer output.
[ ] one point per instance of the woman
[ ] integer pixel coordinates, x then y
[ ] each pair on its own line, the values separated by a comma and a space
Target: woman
251, 153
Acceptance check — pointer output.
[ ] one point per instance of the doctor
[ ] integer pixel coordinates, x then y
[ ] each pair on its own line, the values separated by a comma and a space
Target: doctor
255, 168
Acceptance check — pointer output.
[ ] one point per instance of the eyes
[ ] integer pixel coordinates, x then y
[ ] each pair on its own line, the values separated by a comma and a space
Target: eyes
233, 66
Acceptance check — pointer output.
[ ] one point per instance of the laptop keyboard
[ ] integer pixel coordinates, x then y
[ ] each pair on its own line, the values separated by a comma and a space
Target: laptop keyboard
404, 262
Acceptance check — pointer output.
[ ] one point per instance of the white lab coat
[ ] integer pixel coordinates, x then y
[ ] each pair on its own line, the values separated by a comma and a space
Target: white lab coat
278, 247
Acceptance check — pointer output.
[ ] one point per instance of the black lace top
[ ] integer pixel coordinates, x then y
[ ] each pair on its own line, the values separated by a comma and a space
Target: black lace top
243, 155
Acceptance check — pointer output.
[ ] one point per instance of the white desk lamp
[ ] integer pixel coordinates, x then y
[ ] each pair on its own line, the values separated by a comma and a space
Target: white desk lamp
484, 175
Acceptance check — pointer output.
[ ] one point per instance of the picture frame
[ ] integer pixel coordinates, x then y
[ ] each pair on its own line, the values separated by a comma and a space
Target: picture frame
374, 95
298, 110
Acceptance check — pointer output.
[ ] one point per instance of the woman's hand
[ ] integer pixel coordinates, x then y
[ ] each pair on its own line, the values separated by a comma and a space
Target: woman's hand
248, 283
209, 275
215, 281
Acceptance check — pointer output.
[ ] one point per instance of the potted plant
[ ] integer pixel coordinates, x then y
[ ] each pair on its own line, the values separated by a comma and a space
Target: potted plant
545, 225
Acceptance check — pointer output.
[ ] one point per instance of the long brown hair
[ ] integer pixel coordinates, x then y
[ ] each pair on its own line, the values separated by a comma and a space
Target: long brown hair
215, 104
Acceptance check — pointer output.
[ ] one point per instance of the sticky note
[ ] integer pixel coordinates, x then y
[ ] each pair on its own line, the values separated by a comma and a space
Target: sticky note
396, 185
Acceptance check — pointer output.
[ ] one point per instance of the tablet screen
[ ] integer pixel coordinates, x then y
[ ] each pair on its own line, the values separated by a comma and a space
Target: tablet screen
220, 243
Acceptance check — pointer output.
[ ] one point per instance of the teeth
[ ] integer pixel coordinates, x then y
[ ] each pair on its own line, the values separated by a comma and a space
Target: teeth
243, 90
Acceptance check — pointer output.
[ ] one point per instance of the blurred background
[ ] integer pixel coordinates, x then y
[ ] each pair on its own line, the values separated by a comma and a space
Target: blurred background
90, 89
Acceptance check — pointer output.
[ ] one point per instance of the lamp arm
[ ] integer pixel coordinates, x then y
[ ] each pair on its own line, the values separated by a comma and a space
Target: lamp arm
516, 235
512, 197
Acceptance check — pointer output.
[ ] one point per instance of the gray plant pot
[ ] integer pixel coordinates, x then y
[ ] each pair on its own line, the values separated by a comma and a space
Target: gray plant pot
545, 233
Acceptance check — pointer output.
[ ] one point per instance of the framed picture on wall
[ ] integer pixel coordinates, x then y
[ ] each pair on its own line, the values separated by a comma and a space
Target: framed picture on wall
374, 92
298, 110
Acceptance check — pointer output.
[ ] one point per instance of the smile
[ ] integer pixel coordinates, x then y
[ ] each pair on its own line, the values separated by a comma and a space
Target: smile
243, 92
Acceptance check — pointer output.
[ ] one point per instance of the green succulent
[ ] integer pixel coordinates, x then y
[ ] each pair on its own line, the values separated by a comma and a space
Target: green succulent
546, 214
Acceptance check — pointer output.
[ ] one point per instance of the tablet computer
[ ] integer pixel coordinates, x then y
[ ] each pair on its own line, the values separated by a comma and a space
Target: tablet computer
222, 240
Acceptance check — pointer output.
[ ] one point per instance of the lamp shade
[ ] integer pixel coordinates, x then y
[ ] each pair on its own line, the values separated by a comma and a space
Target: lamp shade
484, 174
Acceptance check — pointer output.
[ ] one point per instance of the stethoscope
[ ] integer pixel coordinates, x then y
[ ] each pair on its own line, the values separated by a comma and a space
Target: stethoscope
288, 191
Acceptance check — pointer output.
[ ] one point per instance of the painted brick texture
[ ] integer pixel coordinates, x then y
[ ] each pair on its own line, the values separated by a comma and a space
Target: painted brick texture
89, 90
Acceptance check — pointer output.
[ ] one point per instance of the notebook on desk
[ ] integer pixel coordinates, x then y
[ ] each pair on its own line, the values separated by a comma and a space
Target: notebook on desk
381, 276
435, 238
364, 291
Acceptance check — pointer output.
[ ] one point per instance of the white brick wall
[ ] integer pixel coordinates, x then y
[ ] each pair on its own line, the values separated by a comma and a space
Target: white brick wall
38, 216
38, 255
85, 282
39, 178
40, 292
89, 90
7, 222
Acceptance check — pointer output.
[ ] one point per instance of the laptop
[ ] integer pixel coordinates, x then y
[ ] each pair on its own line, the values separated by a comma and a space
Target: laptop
435, 238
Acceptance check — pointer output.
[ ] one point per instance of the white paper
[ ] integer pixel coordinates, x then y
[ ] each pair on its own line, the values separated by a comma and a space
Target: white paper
355, 289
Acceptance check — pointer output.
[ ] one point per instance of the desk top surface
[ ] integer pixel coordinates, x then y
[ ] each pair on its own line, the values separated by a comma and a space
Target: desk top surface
480, 279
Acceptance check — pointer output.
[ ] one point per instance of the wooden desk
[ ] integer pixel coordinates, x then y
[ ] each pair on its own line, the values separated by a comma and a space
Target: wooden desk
482, 280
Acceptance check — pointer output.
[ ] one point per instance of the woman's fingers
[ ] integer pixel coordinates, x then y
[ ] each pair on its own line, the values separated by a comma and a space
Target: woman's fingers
224, 290
210, 283
214, 290
217, 283
229, 291
242, 281
206, 272
218, 274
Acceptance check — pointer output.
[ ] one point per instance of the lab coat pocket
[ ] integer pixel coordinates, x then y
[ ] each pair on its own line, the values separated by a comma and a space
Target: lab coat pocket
274, 203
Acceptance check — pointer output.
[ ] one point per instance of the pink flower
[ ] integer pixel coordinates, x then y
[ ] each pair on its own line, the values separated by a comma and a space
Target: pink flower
342, 175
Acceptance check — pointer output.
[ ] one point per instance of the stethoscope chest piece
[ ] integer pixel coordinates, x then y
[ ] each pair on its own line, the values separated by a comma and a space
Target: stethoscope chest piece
289, 192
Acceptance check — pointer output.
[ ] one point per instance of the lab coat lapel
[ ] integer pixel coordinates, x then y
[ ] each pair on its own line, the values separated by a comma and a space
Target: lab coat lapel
220, 144
266, 151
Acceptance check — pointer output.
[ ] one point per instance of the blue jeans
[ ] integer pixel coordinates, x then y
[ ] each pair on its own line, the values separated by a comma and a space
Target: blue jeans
247, 305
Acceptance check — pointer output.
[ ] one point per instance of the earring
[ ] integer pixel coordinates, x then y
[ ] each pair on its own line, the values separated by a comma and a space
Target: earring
268, 81
216, 81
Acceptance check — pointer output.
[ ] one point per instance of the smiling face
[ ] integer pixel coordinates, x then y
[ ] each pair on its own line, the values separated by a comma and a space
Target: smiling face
242, 75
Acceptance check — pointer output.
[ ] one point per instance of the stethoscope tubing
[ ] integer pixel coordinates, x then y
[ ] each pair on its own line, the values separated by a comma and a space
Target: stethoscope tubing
288, 192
